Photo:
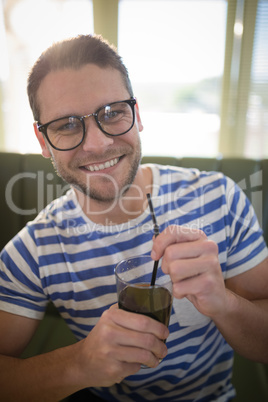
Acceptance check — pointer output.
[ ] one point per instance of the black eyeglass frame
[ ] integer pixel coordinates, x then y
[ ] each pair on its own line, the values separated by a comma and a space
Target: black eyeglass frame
43, 127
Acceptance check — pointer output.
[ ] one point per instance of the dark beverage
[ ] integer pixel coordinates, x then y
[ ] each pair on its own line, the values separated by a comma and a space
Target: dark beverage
155, 302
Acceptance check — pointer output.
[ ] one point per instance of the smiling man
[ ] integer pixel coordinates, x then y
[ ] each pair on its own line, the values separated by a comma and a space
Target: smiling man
88, 122
103, 166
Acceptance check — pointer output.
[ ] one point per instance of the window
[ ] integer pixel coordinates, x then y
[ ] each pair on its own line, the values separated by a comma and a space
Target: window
256, 142
174, 51
199, 68
30, 27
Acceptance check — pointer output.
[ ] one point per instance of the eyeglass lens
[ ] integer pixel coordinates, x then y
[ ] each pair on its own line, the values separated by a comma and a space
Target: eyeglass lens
113, 119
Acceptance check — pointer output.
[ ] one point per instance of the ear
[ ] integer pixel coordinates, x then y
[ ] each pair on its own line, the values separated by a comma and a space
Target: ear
45, 150
138, 118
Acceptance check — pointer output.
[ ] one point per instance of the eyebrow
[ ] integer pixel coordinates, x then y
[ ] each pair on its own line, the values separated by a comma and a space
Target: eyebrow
62, 116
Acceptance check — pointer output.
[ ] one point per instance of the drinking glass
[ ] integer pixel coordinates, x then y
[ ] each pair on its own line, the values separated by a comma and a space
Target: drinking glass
135, 293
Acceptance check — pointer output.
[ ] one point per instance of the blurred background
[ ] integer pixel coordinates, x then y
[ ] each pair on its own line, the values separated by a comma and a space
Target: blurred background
199, 68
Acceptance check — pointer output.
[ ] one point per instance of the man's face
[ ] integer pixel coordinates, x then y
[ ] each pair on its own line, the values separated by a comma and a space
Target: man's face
102, 166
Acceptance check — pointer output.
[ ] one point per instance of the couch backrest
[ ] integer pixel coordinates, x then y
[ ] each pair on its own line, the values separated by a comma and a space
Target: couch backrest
250, 174
28, 183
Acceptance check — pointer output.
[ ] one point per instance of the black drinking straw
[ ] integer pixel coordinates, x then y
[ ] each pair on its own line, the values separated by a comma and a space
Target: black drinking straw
156, 233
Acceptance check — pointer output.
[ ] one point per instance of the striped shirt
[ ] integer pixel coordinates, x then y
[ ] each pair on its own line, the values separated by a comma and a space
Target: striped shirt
65, 257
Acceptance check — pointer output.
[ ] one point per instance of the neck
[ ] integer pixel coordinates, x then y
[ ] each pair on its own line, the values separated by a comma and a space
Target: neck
129, 206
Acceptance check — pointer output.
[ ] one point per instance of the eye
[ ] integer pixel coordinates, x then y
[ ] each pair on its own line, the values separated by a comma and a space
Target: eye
112, 113
66, 126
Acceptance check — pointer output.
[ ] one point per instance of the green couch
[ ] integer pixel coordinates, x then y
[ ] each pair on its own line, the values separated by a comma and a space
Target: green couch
28, 183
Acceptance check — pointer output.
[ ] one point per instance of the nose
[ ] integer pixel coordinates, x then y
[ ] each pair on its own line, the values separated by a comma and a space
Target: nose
95, 140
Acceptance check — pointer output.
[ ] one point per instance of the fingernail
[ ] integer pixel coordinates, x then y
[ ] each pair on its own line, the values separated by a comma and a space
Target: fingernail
166, 333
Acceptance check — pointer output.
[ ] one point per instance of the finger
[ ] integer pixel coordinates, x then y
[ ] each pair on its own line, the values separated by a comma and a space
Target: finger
182, 270
143, 341
134, 355
174, 234
190, 250
189, 259
185, 250
142, 347
139, 323
206, 292
203, 284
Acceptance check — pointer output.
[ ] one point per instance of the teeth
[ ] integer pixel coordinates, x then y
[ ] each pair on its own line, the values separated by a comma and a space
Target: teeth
101, 166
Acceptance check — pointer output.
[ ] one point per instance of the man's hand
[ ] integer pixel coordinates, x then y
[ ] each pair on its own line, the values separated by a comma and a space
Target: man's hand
192, 262
115, 348
238, 306
118, 345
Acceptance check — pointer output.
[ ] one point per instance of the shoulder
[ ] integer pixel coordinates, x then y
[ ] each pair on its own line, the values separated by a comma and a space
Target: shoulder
57, 213
54, 220
190, 178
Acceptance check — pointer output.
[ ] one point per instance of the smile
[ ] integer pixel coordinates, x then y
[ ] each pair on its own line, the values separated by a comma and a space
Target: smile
102, 166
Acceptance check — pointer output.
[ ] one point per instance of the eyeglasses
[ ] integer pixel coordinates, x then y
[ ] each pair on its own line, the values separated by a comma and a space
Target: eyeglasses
67, 133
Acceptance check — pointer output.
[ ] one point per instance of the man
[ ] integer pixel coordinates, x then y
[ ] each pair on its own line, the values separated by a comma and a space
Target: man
210, 241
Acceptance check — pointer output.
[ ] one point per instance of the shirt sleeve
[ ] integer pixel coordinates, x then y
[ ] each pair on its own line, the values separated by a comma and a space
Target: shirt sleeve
20, 285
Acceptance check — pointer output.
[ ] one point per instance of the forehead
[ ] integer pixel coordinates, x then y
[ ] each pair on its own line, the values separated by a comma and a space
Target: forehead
79, 91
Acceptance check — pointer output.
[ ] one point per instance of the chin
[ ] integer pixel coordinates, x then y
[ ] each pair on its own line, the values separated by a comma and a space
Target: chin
105, 188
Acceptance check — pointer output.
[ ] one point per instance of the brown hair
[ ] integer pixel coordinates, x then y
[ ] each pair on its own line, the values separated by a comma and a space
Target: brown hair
74, 53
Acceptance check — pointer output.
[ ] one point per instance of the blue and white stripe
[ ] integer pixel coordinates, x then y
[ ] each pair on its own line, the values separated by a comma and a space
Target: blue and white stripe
64, 257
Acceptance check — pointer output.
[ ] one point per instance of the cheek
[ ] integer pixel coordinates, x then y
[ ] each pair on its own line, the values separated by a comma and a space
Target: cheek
129, 140
59, 162
64, 158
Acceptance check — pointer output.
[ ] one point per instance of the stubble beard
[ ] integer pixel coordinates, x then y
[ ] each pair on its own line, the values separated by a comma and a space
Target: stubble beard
112, 189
